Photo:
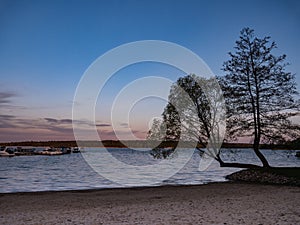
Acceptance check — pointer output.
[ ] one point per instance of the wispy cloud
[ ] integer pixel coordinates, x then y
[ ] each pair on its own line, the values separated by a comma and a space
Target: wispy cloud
58, 121
103, 125
6, 117
112, 134
6, 121
13, 127
125, 125
70, 121
16, 128
5, 97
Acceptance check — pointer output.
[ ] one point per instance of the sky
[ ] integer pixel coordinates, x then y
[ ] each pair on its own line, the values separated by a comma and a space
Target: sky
46, 47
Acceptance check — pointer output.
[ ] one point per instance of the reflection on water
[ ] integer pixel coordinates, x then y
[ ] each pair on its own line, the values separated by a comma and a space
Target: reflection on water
71, 172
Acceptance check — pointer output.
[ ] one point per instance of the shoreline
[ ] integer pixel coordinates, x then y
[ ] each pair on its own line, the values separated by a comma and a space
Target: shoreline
90, 190
138, 188
212, 203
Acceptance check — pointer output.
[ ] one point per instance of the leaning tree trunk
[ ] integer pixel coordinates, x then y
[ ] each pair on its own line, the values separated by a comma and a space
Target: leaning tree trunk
235, 165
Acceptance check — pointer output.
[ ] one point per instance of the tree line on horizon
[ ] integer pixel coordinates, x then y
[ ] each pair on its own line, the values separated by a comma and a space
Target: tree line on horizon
141, 144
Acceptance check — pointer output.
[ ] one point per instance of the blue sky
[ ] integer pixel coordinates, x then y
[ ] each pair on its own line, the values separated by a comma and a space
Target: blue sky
45, 47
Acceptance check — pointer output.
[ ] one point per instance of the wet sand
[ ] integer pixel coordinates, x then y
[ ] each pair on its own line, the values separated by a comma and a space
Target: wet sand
215, 203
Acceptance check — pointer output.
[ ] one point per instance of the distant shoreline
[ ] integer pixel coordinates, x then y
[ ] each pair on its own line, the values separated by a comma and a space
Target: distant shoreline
138, 144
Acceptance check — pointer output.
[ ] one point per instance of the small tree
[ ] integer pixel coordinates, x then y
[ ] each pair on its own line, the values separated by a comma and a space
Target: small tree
192, 114
259, 93
191, 108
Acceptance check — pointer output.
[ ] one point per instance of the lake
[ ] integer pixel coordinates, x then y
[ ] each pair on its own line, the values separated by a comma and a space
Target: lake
72, 172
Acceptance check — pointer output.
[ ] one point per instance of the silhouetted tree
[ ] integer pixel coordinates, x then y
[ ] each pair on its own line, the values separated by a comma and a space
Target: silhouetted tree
259, 93
191, 114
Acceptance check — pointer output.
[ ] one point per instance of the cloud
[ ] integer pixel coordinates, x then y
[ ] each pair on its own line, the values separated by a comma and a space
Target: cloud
58, 121
124, 125
6, 117
5, 97
60, 129
120, 132
51, 120
58, 125
103, 125
70, 121
12, 128
6, 121
7, 103
16, 128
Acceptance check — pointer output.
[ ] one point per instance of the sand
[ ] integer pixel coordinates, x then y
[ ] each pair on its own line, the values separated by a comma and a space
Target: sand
215, 203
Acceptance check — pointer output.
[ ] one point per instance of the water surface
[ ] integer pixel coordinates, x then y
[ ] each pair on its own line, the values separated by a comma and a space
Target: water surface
71, 172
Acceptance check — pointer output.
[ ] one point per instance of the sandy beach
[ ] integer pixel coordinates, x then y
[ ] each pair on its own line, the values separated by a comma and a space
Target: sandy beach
215, 203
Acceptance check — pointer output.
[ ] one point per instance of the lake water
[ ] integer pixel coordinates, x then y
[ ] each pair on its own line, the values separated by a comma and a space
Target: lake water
72, 172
